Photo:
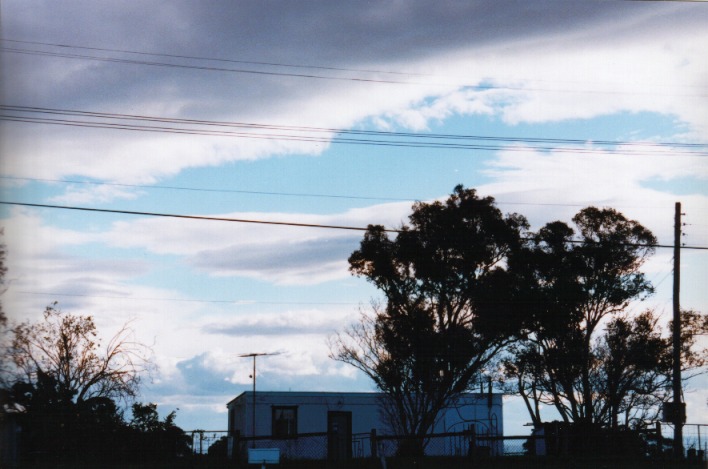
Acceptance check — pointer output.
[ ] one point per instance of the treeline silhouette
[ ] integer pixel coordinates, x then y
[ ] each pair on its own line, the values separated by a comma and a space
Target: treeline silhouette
56, 429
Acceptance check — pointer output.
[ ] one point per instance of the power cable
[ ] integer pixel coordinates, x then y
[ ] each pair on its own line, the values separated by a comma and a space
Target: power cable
183, 300
269, 222
193, 217
235, 61
337, 140
279, 194
215, 59
325, 77
330, 130
220, 69
204, 189
668, 1
633, 148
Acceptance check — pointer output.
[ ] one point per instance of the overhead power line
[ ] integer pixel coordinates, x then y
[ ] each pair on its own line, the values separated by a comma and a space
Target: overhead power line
211, 68
183, 300
209, 189
215, 59
329, 130
669, 1
133, 122
203, 67
191, 217
263, 222
278, 194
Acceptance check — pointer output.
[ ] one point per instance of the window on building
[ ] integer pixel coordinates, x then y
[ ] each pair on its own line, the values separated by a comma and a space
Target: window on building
284, 421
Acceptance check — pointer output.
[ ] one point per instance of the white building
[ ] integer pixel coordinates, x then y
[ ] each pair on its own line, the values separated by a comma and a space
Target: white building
318, 425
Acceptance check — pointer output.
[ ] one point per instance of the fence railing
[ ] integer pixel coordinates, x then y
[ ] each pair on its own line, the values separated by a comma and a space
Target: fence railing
322, 445
695, 438
202, 440
301, 446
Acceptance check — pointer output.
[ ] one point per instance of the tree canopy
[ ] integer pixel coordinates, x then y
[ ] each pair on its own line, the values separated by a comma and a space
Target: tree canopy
67, 348
3, 271
575, 279
157, 438
445, 312
461, 282
66, 391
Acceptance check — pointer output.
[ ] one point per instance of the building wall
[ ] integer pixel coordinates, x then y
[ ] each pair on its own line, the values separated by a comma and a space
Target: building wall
312, 411
478, 410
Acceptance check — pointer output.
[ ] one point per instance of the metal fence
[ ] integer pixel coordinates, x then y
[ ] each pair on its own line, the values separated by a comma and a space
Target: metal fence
302, 446
318, 446
202, 440
695, 438
364, 445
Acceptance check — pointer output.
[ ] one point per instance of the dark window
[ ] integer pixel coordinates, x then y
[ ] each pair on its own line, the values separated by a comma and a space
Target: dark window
284, 421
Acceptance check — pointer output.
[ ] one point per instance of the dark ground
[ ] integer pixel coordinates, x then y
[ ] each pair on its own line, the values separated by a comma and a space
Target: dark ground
408, 463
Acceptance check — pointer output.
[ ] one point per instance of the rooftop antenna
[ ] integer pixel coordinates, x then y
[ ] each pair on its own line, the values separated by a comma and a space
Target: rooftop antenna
253, 422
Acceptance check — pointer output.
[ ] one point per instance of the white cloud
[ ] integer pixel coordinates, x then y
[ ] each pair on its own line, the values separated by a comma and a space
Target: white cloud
79, 195
300, 322
561, 183
594, 62
281, 254
546, 62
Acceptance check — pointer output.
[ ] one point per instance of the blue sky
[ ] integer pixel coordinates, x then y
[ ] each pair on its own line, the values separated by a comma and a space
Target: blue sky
203, 292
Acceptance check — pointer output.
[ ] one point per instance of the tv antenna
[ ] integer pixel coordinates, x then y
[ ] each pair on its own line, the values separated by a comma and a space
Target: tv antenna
253, 421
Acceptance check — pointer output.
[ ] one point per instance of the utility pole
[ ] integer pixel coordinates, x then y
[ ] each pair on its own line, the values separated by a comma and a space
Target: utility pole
253, 421
678, 409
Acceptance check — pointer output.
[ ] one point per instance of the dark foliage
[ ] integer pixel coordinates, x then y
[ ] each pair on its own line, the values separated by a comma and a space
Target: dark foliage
448, 307
3, 271
67, 347
57, 430
157, 439
219, 450
573, 279
63, 390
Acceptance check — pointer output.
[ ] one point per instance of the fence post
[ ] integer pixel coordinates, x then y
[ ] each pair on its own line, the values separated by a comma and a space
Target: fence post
237, 445
698, 427
473, 441
374, 444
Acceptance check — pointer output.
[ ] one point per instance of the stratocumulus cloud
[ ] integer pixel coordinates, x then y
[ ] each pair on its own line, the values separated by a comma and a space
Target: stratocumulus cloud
538, 71
284, 324
296, 262
286, 86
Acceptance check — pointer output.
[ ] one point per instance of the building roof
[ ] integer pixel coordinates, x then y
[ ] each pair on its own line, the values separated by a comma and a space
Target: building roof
332, 394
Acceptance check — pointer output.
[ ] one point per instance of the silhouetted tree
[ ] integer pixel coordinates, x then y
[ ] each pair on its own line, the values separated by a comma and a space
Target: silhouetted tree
571, 286
632, 370
158, 439
46, 411
63, 387
694, 355
67, 348
630, 376
4, 371
219, 449
446, 312
146, 419
3, 271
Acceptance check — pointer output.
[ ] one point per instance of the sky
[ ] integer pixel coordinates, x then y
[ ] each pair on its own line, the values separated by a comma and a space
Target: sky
323, 113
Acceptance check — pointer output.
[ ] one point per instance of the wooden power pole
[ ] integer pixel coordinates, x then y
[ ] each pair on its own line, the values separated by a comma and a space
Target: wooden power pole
678, 410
